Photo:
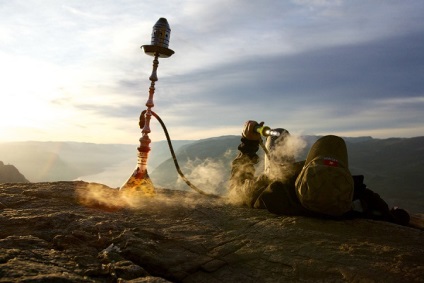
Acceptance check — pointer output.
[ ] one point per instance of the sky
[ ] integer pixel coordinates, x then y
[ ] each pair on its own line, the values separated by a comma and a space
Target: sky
73, 70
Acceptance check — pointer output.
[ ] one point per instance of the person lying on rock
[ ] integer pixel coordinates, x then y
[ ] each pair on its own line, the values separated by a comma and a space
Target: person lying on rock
320, 186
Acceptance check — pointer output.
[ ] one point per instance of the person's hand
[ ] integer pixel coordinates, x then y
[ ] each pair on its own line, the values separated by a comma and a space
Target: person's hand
249, 131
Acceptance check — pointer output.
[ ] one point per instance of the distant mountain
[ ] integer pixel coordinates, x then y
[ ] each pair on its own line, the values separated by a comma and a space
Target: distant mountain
392, 167
160, 151
10, 174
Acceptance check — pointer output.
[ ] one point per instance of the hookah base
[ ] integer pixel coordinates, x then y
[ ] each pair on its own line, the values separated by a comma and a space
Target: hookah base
138, 186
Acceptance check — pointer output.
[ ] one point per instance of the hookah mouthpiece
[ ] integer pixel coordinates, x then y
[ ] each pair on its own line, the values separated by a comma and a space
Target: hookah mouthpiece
267, 131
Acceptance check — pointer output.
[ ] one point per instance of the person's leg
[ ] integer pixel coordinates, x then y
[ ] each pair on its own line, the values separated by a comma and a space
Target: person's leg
280, 198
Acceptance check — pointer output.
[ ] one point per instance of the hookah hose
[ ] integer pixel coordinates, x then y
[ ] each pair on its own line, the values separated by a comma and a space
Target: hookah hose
177, 166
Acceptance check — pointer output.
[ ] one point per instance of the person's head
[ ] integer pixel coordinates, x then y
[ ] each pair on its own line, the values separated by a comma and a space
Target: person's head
279, 156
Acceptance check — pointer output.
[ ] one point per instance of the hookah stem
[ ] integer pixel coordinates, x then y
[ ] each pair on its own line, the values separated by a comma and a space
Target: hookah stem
153, 78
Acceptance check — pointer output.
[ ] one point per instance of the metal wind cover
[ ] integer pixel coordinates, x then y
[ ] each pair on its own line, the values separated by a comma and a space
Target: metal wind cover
161, 33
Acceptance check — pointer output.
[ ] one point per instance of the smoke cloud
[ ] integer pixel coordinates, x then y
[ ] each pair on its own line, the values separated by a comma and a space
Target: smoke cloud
209, 176
282, 155
105, 198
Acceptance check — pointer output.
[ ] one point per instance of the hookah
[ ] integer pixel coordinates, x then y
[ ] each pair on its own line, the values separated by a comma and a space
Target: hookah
139, 183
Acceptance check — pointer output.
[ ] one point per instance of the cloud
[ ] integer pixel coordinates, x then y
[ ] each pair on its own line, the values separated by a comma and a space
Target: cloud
342, 80
297, 63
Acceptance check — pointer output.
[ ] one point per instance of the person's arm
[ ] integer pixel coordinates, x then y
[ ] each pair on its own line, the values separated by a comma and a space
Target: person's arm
245, 188
374, 207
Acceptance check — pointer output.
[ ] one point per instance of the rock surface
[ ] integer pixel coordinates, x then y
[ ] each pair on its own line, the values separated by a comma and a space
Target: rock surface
85, 232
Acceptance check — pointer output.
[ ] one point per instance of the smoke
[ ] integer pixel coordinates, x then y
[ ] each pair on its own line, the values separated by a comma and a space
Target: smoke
291, 146
282, 155
210, 176
102, 197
